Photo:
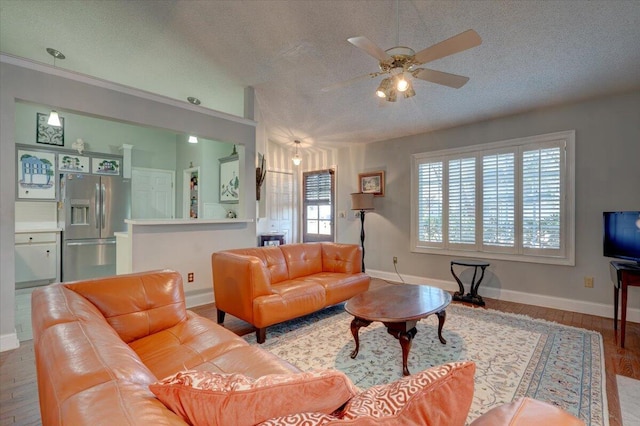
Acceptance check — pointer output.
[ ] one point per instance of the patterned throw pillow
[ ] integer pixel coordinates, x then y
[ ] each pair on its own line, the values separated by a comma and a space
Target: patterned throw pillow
439, 396
207, 398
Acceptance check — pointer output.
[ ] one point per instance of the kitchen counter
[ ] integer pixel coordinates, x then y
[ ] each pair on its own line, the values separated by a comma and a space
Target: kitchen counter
150, 222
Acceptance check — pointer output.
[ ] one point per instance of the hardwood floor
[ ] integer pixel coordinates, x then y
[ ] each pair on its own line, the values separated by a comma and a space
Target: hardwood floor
19, 396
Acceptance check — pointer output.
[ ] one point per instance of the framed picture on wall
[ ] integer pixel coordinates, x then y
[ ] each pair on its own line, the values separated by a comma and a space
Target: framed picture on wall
46, 134
73, 163
372, 183
229, 180
36, 174
105, 166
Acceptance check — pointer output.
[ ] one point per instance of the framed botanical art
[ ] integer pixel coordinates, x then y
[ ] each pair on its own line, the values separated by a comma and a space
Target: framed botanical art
372, 183
229, 180
46, 134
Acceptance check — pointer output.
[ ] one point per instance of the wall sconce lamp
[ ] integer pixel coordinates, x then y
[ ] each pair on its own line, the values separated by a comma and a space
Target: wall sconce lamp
363, 202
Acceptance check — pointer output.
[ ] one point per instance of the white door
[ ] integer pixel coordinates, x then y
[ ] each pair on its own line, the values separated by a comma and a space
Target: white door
152, 194
281, 204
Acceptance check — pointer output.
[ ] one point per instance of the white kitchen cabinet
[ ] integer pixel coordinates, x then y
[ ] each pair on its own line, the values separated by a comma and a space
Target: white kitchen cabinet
36, 255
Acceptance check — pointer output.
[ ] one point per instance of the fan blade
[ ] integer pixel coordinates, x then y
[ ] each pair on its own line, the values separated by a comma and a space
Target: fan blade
439, 77
348, 82
370, 47
455, 44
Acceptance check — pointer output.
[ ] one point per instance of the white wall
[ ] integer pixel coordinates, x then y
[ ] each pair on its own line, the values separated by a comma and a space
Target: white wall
607, 178
38, 84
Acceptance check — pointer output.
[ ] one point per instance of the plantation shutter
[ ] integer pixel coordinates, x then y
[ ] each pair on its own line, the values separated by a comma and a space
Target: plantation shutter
462, 201
430, 200
498, 200
318, 187
541, 198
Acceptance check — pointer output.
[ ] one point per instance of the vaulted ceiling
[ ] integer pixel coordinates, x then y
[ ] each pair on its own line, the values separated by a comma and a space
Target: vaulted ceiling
533, 54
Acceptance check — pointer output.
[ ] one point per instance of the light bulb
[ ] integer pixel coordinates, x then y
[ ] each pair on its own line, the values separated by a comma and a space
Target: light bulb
193, 139
296, 160
380, 94
402, 84
54, 119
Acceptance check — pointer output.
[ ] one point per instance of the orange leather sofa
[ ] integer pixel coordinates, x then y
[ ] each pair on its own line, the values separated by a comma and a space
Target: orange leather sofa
269, 285
99, 344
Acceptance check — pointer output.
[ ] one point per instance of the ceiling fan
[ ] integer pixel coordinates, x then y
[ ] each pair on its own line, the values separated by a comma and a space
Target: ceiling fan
401, 64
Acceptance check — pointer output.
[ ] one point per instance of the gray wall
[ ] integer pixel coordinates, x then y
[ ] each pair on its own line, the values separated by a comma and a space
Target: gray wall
77, 95
152, 148
607, 178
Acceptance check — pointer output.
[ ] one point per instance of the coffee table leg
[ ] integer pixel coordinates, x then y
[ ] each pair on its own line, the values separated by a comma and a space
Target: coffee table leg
405, 342
442, 315
356, 324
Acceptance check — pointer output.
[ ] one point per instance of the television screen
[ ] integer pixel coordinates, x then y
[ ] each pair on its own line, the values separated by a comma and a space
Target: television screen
622, 235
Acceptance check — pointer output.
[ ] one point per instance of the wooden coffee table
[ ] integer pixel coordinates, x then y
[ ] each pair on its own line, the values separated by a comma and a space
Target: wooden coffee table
399, 307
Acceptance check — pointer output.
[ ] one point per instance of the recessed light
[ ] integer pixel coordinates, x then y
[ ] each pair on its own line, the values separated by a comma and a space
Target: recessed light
55, 53
194, 101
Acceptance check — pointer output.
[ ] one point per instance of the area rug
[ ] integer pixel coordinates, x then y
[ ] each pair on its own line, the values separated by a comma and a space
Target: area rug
629, 395
515, 356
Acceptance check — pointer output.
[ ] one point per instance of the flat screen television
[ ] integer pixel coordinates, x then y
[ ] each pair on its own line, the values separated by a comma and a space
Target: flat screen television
622, 235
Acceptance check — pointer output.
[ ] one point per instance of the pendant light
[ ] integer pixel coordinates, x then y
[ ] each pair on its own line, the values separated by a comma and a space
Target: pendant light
296, 158
54, 118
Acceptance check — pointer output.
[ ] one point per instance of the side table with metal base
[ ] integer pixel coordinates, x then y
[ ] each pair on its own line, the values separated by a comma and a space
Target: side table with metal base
472, 296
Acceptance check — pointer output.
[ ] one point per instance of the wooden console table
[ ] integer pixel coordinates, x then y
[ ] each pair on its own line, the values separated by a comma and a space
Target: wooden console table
623, 275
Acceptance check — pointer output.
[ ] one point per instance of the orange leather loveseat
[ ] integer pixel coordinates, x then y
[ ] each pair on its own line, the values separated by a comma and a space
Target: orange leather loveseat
269, 285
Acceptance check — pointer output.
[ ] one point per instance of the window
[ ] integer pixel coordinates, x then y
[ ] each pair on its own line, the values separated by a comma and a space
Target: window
505, 200
318, 205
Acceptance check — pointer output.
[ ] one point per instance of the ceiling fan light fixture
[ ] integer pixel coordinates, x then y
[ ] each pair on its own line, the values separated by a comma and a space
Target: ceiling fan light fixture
383, 89
54, 119
409, 93
392, 96
403, 82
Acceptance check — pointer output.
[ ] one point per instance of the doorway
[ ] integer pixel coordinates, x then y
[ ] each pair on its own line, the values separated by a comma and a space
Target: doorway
152, 194
318, 207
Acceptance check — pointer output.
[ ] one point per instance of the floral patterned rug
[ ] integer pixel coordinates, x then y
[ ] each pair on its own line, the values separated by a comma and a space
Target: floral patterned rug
515, 355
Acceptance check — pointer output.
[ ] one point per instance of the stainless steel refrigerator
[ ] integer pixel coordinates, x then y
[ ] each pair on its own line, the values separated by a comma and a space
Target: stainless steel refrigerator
93, 208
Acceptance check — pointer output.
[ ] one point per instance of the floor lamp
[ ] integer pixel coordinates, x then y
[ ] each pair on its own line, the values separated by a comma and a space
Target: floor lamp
362, 202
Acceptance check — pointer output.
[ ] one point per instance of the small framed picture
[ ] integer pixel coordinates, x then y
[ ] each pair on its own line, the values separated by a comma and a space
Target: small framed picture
229, 180
46, 134
372, 183
73, 163
105, 166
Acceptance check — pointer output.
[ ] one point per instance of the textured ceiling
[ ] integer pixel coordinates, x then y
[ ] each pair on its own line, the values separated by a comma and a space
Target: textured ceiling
533, 54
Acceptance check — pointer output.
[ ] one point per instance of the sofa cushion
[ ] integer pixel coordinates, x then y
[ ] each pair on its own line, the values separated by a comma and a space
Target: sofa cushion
137, 305
205, 398
345, 258
271, 257
303, 259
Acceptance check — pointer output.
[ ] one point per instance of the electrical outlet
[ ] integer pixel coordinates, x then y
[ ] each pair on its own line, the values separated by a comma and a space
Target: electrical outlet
588, 282
190, 277
395, 260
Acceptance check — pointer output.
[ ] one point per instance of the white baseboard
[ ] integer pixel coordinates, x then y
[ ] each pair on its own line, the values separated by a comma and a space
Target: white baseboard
583, 307
9, 341
200, 298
